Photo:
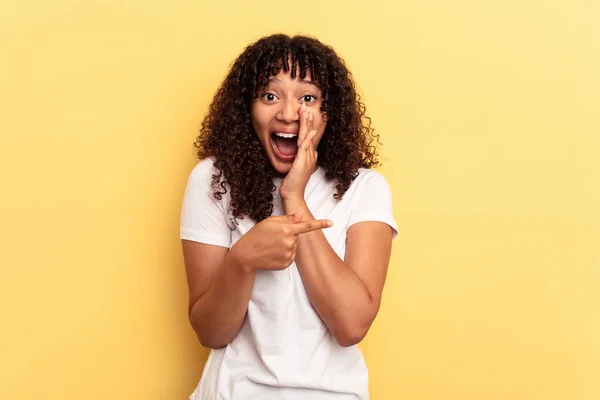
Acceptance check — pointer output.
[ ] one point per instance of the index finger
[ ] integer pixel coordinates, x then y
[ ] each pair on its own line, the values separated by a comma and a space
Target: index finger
309, 226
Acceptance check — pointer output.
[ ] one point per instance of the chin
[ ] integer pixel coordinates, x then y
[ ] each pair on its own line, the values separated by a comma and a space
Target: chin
281, 167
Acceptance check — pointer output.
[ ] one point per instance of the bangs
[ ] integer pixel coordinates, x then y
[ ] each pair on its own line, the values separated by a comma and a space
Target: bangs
288, 57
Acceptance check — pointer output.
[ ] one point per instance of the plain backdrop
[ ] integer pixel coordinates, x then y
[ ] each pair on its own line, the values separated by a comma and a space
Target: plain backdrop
489, 112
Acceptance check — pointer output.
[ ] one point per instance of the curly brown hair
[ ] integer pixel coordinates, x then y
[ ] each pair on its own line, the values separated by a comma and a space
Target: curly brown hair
227, 134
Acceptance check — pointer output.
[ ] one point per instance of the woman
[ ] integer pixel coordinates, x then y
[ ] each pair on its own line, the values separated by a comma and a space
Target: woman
286, 230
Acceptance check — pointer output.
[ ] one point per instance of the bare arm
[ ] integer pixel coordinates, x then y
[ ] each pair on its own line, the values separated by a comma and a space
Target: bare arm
345, 293
220, 290
221, 280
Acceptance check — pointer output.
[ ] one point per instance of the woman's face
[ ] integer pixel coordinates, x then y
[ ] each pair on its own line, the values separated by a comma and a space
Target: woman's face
275, 117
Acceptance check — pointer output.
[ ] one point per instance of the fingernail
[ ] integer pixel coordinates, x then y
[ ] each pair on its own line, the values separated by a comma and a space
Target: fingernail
329, 223
299, 212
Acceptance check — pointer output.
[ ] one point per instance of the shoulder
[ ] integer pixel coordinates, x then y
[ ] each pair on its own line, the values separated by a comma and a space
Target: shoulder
200, 183
369, 189
368, 179
370, 174
371, 199
203, 171
201, 176
204, 216
200, 195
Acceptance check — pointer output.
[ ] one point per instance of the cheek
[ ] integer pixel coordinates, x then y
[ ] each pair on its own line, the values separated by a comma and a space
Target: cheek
320, 133
259, 120
320, 121
320, 127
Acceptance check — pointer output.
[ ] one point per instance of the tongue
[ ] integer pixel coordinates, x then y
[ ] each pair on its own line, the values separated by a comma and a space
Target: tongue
287, 147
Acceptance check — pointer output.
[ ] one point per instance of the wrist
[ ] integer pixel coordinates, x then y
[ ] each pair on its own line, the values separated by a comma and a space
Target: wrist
294, 205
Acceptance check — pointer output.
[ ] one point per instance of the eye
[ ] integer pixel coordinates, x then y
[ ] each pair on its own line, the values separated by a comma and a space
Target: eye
309, 98
269, 97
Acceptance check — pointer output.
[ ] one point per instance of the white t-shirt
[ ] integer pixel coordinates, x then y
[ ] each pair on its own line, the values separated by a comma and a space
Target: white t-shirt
284, 351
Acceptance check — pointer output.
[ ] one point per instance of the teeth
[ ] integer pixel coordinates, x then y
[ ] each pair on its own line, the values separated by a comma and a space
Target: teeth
286, 135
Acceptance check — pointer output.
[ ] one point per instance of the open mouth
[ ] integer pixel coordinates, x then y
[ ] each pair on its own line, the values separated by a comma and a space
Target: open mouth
285, 145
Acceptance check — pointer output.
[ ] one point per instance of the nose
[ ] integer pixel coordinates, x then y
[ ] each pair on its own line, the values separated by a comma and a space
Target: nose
289, 111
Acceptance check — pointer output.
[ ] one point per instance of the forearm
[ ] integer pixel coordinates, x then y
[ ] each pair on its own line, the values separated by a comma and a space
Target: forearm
336, 292
219, 314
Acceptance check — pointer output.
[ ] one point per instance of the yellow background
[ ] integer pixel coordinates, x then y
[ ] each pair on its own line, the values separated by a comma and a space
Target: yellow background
489, 112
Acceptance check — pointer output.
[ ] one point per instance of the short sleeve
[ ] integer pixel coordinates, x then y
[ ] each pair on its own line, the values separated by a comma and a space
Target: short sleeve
203, 218
373, 202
